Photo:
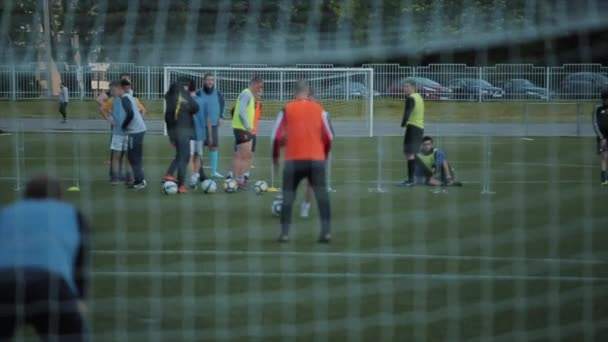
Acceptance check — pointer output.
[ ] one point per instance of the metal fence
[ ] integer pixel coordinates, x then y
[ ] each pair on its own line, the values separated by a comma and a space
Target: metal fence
455, 82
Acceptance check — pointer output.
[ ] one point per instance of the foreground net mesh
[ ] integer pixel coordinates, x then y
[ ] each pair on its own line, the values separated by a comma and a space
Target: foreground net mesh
516, 254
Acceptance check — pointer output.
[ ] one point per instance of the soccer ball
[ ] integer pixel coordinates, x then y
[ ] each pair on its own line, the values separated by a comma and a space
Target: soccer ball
230, 186
169, 188
260, 187
209, 186
277, 206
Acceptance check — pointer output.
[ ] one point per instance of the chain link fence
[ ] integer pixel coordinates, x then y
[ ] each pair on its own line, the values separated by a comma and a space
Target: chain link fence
440, 82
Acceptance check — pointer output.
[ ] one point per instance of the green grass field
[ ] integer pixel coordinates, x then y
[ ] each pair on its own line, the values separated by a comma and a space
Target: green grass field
387, 109
527, 263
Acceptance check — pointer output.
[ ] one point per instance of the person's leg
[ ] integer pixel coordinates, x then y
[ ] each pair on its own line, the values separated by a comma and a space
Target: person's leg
244, 153
8, 300
195, 161
292, 175
214, 153
62, 319
604, 167
305, 208
135, 157
318, 181
183, 156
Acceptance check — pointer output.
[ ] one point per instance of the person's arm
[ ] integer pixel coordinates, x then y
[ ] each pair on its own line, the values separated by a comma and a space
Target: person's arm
222, 101
102, 98
209, 128
81, 262
276, 139
140, 107
192, 104
327, 133
242, 110
596, 125
128, 107
409, 108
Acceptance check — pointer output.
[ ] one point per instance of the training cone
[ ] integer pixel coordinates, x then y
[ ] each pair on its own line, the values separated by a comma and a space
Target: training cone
73, 189
273, 189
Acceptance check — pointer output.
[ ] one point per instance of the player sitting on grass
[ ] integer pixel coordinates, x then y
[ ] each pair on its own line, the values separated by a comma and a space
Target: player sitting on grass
432, 167
600, 124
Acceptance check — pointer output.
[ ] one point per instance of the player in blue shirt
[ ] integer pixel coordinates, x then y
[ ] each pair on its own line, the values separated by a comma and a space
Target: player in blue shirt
432, 166
215, 109
43, 253
202, 130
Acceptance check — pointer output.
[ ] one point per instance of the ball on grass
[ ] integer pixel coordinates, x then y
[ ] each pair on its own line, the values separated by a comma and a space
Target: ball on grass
169, 188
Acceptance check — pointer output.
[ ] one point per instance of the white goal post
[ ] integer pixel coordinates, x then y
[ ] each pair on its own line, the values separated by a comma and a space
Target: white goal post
346, 93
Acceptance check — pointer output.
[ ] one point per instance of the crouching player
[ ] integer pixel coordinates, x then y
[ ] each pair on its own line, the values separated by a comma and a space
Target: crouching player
432, 167
43, 265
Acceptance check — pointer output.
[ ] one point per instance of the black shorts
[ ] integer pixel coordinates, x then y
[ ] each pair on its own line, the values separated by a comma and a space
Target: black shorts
295, 171
41, 299
412, 139
241, 136
214, 136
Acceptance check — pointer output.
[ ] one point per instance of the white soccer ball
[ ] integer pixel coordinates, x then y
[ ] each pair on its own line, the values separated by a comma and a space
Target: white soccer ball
209, 186
260, 187
277, 206
169, 188
230, 185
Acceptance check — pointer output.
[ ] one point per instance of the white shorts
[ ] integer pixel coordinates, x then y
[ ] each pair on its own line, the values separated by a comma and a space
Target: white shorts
196, 147
119, 142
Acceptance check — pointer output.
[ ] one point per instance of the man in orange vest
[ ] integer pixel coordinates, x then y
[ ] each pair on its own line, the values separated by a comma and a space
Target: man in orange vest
304, 130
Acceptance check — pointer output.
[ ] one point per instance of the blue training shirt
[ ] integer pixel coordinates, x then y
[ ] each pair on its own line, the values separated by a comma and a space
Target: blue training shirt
118, 115
214, 100
40, 234
200, 119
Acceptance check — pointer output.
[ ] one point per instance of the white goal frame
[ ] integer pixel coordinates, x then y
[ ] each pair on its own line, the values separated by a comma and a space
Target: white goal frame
369, 72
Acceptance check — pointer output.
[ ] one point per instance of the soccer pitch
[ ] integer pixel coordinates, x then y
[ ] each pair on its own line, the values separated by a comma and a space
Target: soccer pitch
526, 263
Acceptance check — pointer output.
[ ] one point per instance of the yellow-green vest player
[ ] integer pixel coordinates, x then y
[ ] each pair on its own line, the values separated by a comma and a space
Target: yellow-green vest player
432, 166
242, 125
413, 122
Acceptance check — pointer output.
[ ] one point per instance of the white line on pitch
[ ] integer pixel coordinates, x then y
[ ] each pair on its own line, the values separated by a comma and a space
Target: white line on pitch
347, 275
367, 255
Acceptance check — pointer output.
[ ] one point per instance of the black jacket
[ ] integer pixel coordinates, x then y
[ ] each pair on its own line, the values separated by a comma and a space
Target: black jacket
180, 108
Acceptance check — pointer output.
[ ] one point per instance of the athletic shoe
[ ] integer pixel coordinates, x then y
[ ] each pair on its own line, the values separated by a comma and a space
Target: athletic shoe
455, 184
407, 183
244, 186
115, 181
182, 190
216, 174
305, 210
140, 185
283, 238
604, 183
324, 238
169, 177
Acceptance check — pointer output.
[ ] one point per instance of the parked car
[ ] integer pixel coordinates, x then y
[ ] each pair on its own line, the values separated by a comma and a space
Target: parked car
522, 89
472, 88
583, 85
342, 89
426, 87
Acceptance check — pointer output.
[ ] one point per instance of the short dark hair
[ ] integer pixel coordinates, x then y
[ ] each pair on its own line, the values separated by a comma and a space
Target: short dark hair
124, 74
427, 138
207, 75
604, 94
411, 83
41, 187
191, 85
256, 79
302, 85
125, 83
115, 84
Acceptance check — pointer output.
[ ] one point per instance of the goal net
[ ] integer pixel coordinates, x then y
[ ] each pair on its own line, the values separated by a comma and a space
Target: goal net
516, 254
